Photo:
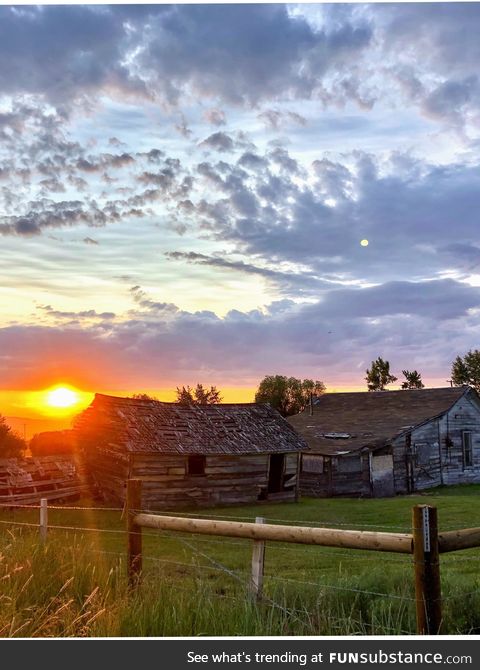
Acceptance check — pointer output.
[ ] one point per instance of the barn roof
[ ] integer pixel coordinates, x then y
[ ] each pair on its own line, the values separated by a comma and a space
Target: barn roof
144, 425
346, 422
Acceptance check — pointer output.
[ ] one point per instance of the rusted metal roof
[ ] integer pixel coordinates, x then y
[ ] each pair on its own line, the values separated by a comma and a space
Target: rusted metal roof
143, 425
347, 422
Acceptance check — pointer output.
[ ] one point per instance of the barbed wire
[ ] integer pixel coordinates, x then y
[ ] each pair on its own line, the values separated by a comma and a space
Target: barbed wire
338, 588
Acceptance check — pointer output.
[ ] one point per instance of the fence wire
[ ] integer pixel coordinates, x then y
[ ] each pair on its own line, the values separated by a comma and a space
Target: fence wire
242, 577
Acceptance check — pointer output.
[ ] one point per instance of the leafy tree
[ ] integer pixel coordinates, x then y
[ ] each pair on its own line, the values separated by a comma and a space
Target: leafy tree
466, 369
378, 375
143, 396
198, 396
413, 380
52, 442
11, 444
288, 395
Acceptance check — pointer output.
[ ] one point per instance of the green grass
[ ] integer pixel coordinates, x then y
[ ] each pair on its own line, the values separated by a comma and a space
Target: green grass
75, 584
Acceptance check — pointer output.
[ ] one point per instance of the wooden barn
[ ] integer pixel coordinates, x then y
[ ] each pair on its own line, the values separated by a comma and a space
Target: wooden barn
189, 455
387, 442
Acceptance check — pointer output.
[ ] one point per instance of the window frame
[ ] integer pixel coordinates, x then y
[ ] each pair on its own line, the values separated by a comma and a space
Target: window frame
467, 449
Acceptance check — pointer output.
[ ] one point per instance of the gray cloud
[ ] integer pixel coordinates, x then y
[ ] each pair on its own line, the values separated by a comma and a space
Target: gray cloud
328, 339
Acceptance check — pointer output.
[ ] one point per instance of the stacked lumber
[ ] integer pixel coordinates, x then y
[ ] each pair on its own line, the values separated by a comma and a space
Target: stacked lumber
24, 481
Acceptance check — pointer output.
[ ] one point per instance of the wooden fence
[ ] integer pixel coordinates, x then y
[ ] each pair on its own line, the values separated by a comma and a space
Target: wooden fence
425, 543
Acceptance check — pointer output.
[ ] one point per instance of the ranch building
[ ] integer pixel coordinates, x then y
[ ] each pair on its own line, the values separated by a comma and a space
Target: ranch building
386, 442
189, 455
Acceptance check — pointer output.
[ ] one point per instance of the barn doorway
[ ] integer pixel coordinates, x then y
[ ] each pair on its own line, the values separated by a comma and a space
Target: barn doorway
275, 474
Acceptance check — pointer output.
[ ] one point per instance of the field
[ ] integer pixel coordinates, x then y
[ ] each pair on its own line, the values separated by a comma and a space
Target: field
75, 584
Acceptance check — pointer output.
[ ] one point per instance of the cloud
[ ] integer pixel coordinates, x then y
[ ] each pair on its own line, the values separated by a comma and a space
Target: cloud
327, 339
62, 52
219, 142
216, 117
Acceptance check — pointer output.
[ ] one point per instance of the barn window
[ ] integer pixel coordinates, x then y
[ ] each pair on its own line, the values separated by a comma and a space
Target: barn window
350, 464
196, 464
312, 464
422, 453
467, 449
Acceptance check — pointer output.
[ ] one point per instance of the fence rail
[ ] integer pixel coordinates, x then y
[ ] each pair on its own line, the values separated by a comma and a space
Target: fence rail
424, 543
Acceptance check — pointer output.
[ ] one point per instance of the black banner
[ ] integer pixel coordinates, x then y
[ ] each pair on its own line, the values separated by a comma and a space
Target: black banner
267, 654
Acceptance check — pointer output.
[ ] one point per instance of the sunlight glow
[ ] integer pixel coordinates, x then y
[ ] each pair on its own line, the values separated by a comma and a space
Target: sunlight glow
62, 397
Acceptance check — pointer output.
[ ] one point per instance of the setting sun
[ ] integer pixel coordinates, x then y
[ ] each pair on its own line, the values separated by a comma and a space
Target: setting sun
62, 397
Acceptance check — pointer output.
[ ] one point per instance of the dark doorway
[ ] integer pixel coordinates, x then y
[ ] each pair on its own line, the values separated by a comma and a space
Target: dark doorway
275, 475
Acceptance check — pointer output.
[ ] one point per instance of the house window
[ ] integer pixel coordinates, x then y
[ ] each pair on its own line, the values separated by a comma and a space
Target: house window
312, 464
350, 464
196, 465
422, 453
467, 449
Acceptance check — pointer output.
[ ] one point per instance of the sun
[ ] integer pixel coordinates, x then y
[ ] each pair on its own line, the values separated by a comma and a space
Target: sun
62, 397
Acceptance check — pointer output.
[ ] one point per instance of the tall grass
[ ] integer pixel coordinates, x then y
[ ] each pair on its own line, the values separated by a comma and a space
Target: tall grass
75, 584
68, 587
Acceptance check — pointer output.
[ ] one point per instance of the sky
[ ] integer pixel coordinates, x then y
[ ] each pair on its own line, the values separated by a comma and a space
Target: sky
184, 191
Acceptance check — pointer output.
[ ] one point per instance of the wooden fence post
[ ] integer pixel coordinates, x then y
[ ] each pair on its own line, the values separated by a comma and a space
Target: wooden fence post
427, 570
134, 505
258, 562
43, 519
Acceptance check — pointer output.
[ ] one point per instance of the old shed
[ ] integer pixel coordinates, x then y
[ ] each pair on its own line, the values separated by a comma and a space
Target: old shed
386, 442
189, 455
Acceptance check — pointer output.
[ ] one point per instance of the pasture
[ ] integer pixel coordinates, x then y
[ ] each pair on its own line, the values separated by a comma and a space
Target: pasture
75, 584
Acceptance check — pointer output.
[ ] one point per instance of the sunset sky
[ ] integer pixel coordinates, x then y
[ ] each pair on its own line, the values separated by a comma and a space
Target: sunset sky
184, 191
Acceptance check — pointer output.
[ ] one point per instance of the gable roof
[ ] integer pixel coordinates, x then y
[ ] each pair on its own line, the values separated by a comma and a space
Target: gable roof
370, 419
144, 425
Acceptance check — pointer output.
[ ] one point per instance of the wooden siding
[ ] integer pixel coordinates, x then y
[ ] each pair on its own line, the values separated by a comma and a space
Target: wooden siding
346, 475
435, 453
226, 480
168, 486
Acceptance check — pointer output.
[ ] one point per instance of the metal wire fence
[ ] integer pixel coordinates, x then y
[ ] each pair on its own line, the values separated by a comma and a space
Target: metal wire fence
204, 559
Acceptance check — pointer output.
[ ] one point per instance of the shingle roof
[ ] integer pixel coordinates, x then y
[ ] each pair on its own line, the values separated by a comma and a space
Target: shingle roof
140, 425
371, 419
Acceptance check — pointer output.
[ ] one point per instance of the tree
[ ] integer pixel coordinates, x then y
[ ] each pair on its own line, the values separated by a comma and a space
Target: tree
52, 442
198, 396
413, 380
466, 370
378, 375
11, 444
288, 395
143, 396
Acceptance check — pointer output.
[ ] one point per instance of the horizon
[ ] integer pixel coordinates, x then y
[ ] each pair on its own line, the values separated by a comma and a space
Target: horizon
25, 425
216, 193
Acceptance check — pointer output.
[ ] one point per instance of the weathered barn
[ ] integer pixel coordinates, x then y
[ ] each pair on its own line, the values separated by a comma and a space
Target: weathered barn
186, 455
386, 442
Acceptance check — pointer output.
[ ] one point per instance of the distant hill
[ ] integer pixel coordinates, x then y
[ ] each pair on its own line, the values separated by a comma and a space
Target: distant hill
30, 427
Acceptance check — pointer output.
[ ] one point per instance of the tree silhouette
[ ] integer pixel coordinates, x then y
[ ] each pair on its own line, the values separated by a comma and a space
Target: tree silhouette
11, 444
466, 370
413, 380
288, 395
378, 375
198, 395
